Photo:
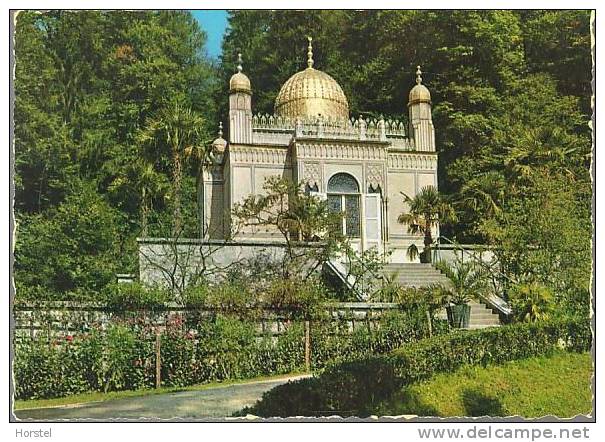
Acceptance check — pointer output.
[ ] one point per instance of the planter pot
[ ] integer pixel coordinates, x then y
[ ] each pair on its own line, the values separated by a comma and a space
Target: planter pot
458, 315
425, 256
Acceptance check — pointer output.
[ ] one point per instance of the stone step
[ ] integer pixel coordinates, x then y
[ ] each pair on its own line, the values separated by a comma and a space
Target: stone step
422, 275
421, 278
484, 321
412, 272
482, 316
480, 326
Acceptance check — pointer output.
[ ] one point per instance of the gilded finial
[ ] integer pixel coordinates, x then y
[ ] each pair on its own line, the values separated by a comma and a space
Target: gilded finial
310, 53
220, 130
239, 63
418, 75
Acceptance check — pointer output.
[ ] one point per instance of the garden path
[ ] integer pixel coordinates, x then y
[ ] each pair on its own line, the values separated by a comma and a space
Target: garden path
211, 403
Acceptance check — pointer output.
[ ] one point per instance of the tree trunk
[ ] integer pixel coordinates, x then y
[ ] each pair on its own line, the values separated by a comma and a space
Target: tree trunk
176, 191
144, 212
428, 241
201, 203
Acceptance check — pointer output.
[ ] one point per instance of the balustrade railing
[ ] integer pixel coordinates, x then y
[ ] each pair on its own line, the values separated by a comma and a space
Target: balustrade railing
389, 130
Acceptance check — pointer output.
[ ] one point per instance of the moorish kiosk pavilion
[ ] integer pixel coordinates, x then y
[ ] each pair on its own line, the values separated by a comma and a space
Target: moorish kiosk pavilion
361, 167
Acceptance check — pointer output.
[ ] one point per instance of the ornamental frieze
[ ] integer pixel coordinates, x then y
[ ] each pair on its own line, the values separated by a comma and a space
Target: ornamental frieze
412, 161
259, 155
343, 151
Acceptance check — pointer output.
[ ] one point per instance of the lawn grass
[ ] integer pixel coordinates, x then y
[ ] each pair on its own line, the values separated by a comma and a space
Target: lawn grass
558, 385
99, 397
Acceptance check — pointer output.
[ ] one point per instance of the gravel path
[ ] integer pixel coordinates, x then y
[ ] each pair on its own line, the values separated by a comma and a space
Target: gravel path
216, 402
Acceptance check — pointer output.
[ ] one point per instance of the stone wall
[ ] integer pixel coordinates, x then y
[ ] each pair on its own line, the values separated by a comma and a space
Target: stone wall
58, 319
173, 263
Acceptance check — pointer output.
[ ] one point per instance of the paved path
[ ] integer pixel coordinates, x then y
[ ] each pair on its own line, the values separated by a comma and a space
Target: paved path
216, 402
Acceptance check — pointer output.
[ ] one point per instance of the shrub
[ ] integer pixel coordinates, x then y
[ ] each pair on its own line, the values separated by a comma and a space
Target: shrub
301, 298
531, 302
356, 387
210, 348
134, 296
196, 295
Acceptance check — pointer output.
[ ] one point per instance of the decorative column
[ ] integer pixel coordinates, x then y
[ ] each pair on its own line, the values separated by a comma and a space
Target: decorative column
240, 107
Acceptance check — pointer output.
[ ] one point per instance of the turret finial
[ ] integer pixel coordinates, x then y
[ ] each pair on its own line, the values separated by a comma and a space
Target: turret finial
239, 62
220, 130
310, 53
418, 75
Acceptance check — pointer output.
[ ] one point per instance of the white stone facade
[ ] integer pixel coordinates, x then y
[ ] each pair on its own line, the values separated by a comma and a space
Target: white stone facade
384, 157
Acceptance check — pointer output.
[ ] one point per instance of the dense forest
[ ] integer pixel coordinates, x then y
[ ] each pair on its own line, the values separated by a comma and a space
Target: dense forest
99, 96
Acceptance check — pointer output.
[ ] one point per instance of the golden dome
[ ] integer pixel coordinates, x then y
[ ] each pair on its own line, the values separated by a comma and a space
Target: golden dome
419, 93
310, 93
239, 82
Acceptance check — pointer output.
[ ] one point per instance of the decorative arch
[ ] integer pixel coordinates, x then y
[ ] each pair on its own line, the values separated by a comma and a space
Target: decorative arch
344, 197
342, 182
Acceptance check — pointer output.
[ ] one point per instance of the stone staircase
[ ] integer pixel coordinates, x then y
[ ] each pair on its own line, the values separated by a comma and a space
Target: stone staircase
414, 275
421, 275
482, 316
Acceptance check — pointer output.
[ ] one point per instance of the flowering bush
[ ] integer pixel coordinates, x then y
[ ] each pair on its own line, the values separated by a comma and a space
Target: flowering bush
211, 348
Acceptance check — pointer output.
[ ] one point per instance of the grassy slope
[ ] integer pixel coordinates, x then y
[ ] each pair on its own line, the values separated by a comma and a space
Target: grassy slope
99, 397
557, 385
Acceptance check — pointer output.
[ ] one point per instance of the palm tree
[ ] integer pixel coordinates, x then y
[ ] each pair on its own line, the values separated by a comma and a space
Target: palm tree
151, 184
426, 209
466, 281
180, 130
537, 148
531, 302
484, 194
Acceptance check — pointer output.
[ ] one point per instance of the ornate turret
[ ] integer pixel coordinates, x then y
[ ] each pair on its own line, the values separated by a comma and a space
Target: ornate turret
421, 123
311, 93
220, 144
240, 106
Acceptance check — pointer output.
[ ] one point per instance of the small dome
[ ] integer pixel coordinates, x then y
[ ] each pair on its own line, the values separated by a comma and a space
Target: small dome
220, 144
310, 93
419, 93
239, 82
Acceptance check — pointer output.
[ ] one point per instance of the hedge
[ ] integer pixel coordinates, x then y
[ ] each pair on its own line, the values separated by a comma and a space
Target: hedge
122, 357
356, 388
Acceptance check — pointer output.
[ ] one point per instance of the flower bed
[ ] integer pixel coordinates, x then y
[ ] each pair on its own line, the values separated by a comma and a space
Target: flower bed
121, 355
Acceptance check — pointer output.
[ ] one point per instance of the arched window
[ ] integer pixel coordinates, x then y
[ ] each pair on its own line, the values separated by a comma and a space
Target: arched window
343, 196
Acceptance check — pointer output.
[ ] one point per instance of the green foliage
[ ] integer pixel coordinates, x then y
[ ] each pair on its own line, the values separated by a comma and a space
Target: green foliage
175, 131
134, 296
233, 297
365, 269
198, 349
544, 237
304, 299
466, 281
357, 387
196, 295
531, 302
429, 298
70, 251
85, 83
302, 220
426, 210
